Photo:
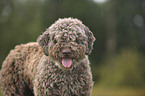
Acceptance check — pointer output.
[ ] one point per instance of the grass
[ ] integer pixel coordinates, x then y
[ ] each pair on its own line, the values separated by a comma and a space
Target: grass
99, 91
1, 93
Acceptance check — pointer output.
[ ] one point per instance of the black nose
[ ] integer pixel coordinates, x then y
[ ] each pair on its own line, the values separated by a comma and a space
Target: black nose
66, 51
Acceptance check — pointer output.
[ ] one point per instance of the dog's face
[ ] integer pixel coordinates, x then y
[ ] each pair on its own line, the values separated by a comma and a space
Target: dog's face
67, 41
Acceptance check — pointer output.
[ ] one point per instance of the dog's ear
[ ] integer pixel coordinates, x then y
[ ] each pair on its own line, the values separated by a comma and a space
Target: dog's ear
90, 40
43, 41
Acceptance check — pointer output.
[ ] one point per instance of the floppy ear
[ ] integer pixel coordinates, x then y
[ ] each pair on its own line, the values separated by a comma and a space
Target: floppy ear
43, 42
90, 40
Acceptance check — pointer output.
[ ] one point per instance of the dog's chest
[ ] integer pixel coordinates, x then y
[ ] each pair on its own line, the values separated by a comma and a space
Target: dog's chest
70, 83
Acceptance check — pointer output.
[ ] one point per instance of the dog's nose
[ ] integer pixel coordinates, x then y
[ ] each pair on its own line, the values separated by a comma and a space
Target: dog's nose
66, 51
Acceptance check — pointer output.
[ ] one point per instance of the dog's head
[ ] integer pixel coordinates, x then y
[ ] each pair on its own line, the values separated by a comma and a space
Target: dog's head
67, 41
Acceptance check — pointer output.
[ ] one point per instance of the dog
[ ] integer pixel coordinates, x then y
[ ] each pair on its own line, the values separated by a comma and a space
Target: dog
56, 65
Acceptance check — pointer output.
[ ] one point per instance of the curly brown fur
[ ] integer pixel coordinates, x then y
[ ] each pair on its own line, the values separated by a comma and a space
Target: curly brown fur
57, 65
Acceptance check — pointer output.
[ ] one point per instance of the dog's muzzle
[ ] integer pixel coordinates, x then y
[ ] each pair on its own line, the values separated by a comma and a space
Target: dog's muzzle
66, 60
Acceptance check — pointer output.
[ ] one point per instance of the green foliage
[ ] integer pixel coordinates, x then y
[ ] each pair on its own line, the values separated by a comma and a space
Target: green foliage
117, 21
22, 25
124, 70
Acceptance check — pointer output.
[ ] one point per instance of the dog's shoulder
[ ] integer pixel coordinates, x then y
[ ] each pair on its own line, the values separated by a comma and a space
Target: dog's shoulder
27, 48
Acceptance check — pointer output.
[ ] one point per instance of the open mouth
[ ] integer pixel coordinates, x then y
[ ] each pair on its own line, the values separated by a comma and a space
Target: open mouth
66, 62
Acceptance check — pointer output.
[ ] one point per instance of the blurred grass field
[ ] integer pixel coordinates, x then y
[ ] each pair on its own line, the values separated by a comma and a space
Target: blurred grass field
100, 91
1, 93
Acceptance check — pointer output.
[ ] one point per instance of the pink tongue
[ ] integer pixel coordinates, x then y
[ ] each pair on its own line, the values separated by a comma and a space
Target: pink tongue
66, 62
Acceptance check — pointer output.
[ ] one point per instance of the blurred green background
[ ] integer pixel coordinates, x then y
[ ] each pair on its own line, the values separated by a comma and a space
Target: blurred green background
118, 58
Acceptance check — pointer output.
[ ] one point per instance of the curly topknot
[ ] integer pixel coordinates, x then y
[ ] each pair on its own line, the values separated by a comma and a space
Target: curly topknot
67, 29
